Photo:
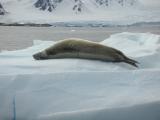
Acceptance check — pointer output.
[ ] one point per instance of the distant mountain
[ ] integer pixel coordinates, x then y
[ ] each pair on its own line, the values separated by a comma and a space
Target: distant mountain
80, 5
2, 11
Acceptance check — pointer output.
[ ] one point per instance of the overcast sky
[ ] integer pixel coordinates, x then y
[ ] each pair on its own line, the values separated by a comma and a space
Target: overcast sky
151, 3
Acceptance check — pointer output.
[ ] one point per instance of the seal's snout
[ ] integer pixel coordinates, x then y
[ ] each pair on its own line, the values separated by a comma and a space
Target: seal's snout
40, 56
36, 57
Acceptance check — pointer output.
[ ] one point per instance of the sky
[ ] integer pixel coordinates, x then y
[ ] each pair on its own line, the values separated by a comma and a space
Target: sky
151, 3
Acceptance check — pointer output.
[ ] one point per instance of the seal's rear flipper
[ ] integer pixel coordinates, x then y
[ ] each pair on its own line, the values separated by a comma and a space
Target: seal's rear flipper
131, 62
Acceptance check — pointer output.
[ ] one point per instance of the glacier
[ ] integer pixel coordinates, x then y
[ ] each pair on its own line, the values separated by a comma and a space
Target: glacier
75, 89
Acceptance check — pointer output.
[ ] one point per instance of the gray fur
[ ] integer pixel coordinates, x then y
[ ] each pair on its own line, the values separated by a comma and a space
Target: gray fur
79, 48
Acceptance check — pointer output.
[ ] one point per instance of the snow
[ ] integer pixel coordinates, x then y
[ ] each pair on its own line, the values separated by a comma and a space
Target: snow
23, 11
74, 89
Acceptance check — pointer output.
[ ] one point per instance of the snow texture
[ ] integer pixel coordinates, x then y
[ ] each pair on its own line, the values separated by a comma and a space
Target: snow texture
74, 89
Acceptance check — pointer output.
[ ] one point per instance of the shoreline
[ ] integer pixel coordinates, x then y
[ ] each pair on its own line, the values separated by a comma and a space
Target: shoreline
81, 24
27, 24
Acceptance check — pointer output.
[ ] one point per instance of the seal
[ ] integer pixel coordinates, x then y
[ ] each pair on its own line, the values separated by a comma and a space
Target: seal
84, 49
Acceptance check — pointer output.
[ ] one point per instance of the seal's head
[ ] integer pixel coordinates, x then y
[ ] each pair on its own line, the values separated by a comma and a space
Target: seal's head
40, 56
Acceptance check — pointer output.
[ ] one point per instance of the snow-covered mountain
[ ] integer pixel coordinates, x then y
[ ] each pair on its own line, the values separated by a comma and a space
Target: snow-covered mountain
81, 5
2, 11
51, 11
51, 5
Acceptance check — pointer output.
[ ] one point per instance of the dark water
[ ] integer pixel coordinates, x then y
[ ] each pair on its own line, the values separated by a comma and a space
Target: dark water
13, 38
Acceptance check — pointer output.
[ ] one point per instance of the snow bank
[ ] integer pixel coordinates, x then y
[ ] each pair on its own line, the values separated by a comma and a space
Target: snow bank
73, 89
